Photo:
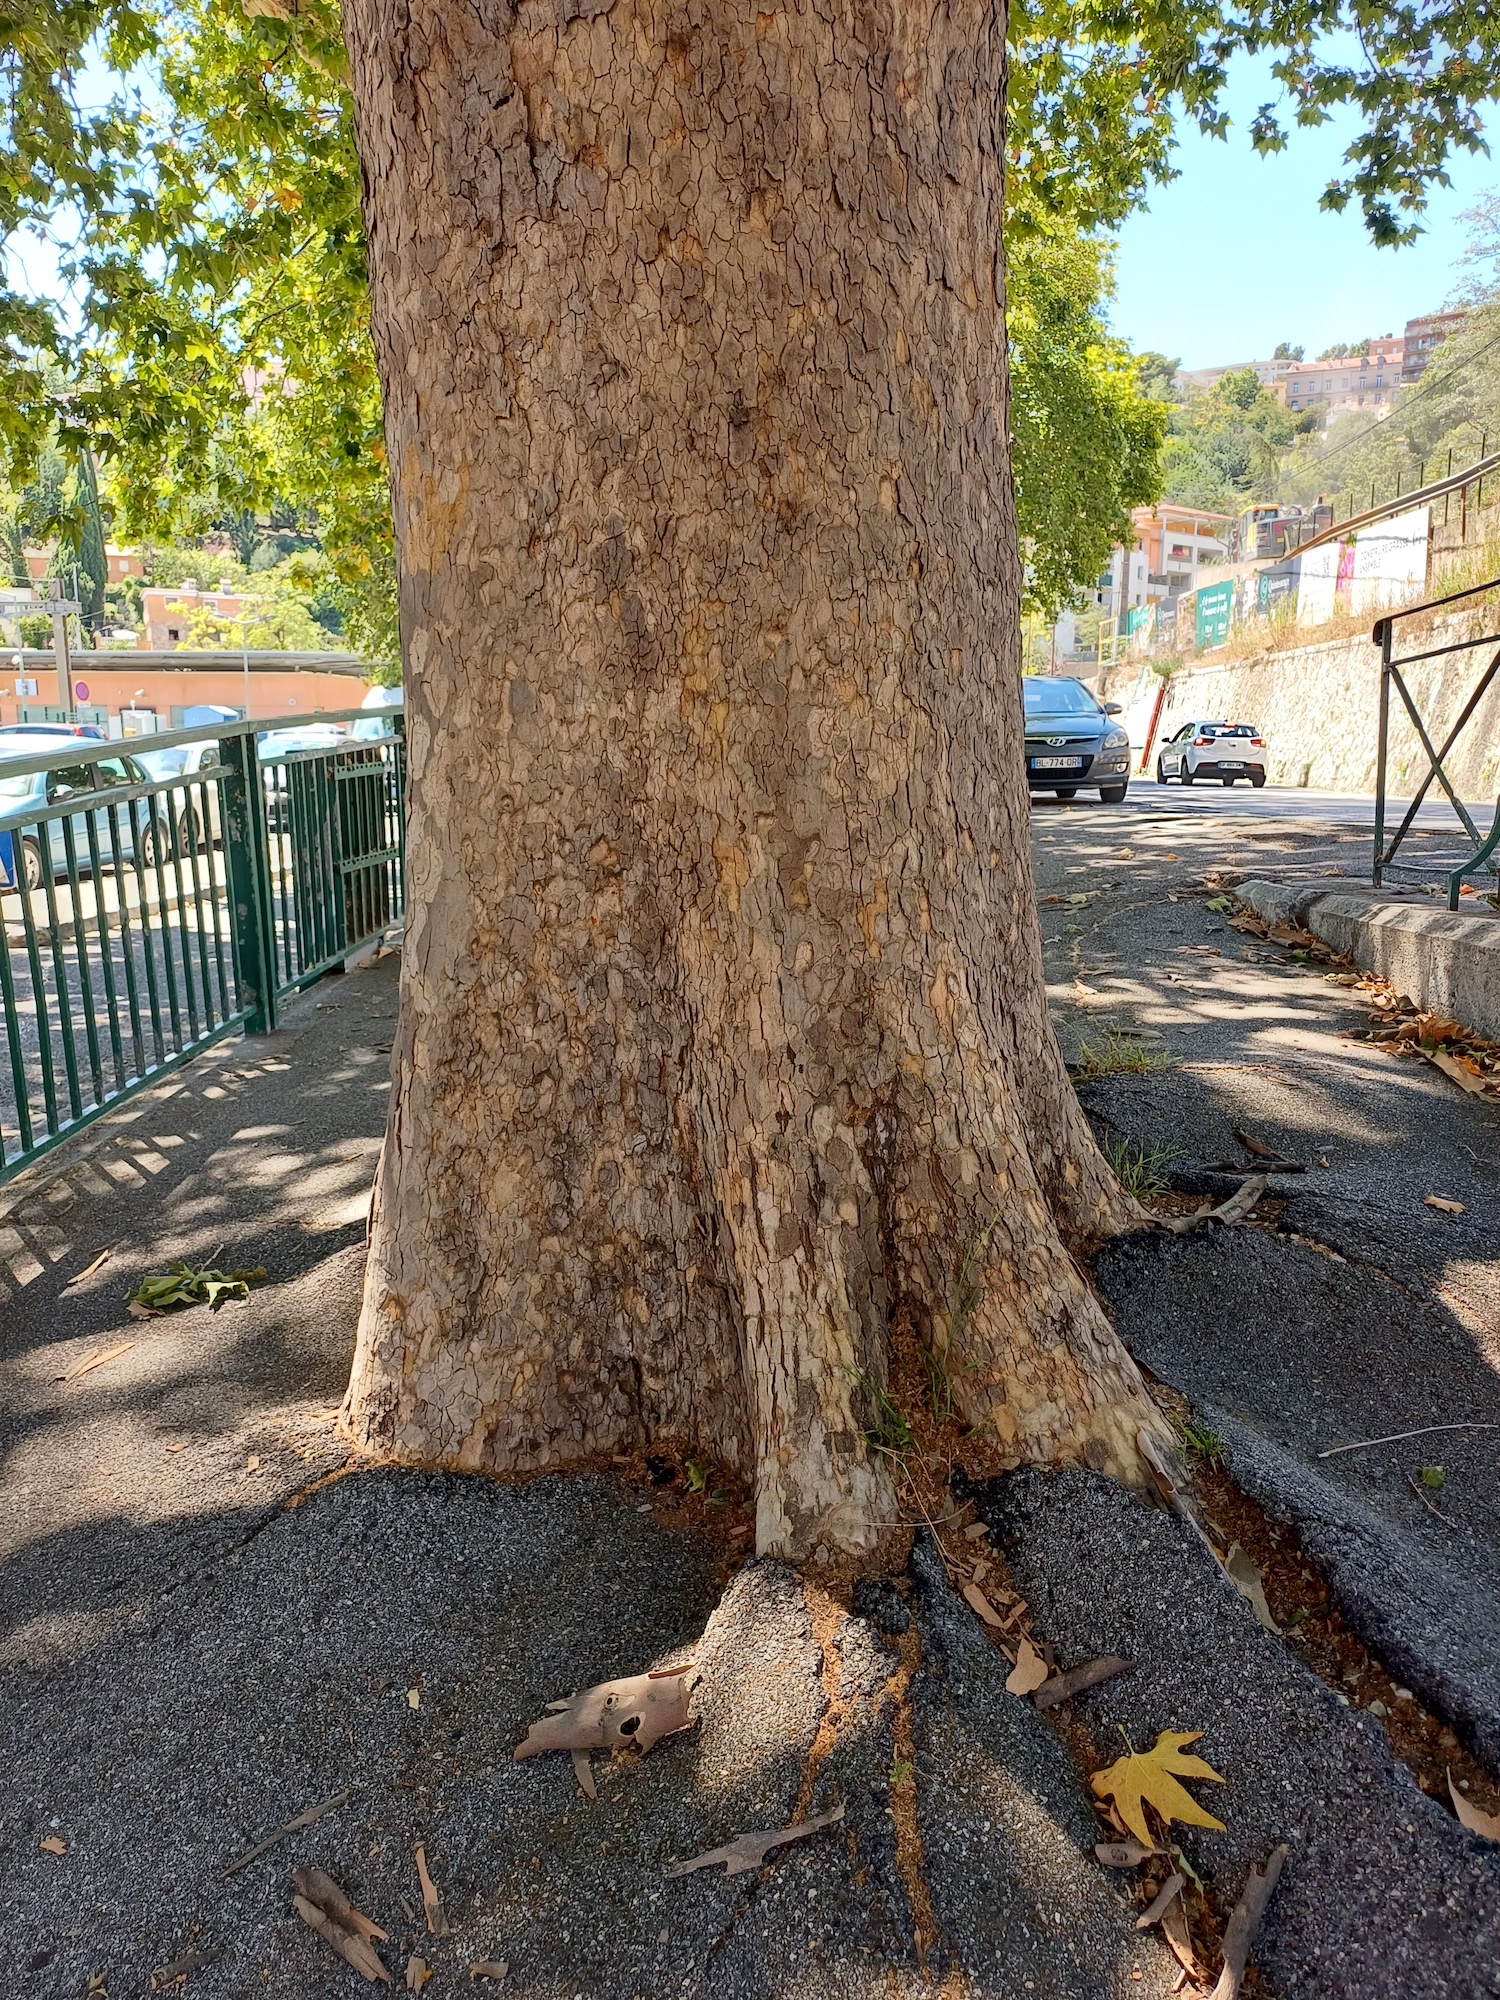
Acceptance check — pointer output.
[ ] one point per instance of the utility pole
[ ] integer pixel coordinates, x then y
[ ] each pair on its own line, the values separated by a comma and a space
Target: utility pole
62, 608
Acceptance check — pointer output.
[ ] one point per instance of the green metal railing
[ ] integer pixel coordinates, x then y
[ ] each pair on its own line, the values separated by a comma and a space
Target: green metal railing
146, 918
1452, 867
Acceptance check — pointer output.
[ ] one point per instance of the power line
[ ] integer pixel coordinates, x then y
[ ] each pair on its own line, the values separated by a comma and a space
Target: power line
1380, 422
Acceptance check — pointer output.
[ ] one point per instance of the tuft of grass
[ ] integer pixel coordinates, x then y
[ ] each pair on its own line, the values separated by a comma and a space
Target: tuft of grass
1139, 1172
1199, 1441
901, 1774
890, 1432
1116, 1055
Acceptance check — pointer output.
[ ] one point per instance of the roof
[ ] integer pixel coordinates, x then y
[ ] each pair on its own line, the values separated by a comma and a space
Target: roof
226, 660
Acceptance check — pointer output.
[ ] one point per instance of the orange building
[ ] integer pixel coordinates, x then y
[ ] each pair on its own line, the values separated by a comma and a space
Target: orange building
153, 689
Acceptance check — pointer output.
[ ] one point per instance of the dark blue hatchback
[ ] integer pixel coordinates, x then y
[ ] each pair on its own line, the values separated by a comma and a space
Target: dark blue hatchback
1072, 740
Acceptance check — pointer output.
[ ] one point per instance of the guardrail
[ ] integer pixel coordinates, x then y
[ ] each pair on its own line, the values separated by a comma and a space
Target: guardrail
147, 917
1453, 867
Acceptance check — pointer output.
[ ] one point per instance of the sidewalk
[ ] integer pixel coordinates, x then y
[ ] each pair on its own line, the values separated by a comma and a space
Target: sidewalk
121, 1480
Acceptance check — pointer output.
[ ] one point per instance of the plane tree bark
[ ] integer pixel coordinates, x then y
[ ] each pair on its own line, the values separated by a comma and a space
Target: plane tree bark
723, 1035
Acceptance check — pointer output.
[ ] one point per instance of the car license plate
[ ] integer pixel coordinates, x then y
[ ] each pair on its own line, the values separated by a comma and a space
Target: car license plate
1057, 763
1233, 764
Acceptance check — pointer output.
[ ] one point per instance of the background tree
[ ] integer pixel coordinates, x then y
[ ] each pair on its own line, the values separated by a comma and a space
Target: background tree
1223, 446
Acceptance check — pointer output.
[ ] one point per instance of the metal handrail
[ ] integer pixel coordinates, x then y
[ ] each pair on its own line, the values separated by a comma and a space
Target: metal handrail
1483, 846
89, 749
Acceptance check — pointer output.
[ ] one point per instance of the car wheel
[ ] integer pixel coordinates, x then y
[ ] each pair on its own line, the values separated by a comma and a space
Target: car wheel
1186, 773
1258, 782
1161, 776
31, 862
1065, 791
154, 845
189, 832
1113, 795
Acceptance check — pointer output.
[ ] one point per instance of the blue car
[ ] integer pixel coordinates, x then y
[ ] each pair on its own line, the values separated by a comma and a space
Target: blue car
139, 829
1071, 741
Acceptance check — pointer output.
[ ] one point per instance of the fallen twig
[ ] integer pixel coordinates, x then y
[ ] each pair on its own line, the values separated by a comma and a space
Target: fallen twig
1397, 1437
89, 1270
1435, 1511
292, 1826
1063, 1687
1245, 1922
437, 1923
1229, 1212
748, 1850
1152, 1914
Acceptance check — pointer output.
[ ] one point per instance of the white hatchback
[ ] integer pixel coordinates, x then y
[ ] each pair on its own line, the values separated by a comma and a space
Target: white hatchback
1222, 750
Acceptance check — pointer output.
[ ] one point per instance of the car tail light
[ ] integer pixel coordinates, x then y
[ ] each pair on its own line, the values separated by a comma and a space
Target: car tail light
1257, 743
1200, 742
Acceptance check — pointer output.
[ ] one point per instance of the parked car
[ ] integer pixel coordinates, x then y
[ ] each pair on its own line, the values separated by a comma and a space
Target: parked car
187, 760
91, 730
141, 831
1071, 740
370, 728
1222, 750
271, 744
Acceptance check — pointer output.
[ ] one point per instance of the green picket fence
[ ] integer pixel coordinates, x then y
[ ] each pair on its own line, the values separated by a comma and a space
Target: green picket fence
147, 917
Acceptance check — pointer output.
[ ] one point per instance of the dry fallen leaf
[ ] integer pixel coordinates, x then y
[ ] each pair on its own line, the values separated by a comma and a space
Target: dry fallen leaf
413, 1698
1030, 1670
325, 1893
437, 1923
748, 1850
353, 1950
1441, 1201
52, 1845
1460, 1072
97, 1360
1486, 1825
639, 1710
489, 1968
418, 1972
1149, 1777
977, 1601
976, 1531
1246, 1579
1122, 1853
583, 1771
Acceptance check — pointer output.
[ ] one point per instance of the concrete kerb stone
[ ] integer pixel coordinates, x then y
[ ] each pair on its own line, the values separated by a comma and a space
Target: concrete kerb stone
1445, 961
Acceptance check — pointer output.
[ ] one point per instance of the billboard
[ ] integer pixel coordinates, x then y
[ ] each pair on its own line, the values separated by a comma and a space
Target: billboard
1215, 612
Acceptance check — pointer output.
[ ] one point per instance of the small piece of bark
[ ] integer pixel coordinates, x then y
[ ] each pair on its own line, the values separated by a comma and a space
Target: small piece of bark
89, 1270
749, 1850
639, 1710
1230, 1213
489, 1968
1122, 1853
1242, 1573
1167, 1893
1255, 1146
353, 1950
292, 1826
437, 1923
583, 1771
1245, 1922
1063, 1687
975, 1598
418, 1972
330, 1898
1029, 1672
1174, 1928
976, 1531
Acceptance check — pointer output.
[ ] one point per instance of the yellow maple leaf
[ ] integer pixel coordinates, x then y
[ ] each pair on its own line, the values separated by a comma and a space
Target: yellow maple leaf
1146, 1777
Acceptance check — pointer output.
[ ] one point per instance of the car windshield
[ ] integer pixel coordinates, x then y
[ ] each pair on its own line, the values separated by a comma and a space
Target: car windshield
163, 763
14, 790
1056, 697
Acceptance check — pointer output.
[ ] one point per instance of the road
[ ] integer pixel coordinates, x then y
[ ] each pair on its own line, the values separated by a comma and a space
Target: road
1272, 802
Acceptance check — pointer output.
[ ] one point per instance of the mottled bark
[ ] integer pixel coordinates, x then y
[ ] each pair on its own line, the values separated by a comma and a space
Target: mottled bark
723, 1025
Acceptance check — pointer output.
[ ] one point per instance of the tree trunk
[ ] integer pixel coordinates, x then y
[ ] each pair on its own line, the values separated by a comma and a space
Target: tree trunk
724, 1032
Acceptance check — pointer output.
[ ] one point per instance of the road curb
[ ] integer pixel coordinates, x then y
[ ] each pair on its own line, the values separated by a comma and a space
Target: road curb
1443, 960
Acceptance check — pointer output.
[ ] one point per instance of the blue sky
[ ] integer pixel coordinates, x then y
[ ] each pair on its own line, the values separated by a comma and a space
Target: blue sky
1235, 255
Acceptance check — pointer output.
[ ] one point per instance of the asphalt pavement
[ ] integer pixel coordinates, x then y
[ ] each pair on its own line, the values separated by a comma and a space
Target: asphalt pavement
1367, 1312
1214, 799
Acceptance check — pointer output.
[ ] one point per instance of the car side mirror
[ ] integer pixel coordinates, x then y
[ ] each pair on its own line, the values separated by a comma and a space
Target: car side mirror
1113, 708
